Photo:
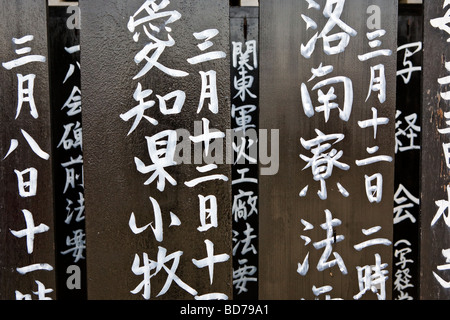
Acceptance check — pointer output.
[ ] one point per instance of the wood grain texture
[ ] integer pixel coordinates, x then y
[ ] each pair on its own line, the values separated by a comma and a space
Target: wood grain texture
19, 19
113, 186
283, 70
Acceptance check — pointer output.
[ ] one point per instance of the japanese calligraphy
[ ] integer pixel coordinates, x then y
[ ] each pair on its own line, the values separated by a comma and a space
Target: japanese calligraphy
26, 144
159, 24
336, 107
244, 73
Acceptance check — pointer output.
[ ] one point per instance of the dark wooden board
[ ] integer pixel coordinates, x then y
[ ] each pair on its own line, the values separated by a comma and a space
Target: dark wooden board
114, 188
25, 124
435, 235
283, 70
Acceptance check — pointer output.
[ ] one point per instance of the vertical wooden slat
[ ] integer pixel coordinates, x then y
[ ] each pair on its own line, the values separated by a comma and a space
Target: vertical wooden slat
405, 274
64, 59
121, 259
244, 24
26, 201
288, 209
435, 235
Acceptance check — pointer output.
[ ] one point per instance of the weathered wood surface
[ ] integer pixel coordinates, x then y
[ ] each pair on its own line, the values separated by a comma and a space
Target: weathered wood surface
283, 205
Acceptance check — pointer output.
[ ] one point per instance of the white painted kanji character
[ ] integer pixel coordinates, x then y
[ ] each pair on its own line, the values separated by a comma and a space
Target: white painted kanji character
71, 50
73, 102
34, 267
21, 51
406, 72
244, 205
443, 206
373, 43
77, 132
206, 136
209, 91
373, 159
157, 229
180, 97
76, 245
374, 191
27, 188
152, 10
442, 22
377, 82
138, 111
208, 210
410, 132
242, 275
242, 156
26, 94
323, 290
241, 61
71, 167
372, 278
328, 242
25, 82
403, 203
443, 81
444, 284
243, 178
248, 246
40, 293
374, 122
242, 116
79, 210
31, 142
327, 100
372, 242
